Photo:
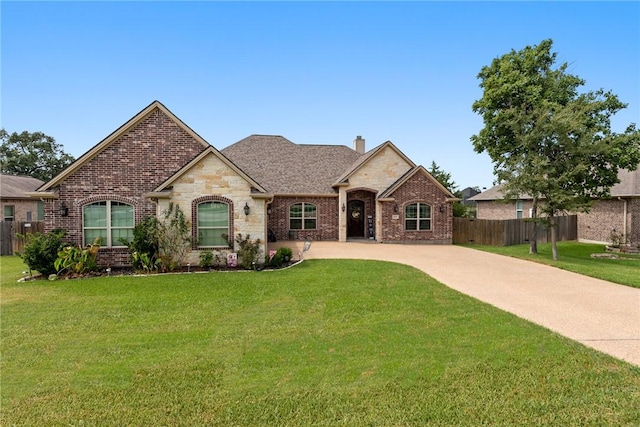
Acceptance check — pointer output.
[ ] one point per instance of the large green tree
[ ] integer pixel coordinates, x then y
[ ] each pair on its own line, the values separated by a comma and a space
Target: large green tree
32, 154
545, 139
444, 178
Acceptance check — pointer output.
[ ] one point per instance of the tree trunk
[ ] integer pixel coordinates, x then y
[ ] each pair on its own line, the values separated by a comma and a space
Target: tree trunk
533, 241
554, 246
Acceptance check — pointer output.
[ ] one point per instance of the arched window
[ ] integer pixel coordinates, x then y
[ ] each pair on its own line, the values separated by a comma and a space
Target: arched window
213, 224
302, 216
109, 220
417, 216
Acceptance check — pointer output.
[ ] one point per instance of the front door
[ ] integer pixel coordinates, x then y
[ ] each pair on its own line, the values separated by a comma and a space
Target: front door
355, 218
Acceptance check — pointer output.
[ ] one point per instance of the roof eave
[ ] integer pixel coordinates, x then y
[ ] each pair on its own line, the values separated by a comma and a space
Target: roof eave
42, 194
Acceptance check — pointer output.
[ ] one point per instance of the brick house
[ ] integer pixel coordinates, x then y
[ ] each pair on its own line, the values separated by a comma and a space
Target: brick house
620, 213
263, 185
15, 205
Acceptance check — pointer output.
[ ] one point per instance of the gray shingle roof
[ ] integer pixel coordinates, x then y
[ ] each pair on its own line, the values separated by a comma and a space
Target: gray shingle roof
282, 167
14, 187
629, 186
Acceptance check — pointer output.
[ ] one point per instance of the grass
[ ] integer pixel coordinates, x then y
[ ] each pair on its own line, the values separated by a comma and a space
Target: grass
329, 342
576, 257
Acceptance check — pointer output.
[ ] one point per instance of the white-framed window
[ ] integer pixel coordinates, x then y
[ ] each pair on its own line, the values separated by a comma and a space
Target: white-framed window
109, 220
303, 216
9, 213
518, 209
417, 216
213, 224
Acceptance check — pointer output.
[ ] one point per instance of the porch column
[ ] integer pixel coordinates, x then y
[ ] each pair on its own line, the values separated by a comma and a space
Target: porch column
342, 215
378, 221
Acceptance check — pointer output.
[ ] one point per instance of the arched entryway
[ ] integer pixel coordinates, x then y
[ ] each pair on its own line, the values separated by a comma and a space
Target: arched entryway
355, 219
360, 214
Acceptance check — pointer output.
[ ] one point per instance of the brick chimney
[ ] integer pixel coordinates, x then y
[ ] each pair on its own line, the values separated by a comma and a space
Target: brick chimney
358, 144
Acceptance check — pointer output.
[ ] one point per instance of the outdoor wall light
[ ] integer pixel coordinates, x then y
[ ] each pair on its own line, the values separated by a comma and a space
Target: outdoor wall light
64, 210
395, 207
343, 207
441, 208
269, 210
247, 209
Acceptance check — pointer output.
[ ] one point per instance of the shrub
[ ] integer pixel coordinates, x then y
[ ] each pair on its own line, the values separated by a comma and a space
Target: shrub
281, 256
41, 250
174, 237
145, 262
617, 239
248, 251
145, 247
206, 259
77, 260
286, 254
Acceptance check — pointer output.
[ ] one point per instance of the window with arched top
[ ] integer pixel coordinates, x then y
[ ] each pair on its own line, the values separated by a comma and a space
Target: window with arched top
109, 220
303, 216
417, 216
213, 224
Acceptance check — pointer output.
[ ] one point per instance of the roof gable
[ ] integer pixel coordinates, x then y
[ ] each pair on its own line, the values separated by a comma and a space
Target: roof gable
96, 149
410, 174
364, 159
210, 151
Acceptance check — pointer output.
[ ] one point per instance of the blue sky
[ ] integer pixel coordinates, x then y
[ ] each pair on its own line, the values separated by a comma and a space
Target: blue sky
313, 72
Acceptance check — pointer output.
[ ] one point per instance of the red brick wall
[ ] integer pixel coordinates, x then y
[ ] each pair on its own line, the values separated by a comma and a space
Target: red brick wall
136, 163
633, 217
607, 215
327, 218
500, 210
418, 188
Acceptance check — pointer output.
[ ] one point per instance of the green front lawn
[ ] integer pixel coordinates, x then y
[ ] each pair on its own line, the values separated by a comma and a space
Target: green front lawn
576, 257
328, 342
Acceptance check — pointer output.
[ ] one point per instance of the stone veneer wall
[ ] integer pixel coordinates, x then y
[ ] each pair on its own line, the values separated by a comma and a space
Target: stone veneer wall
136, 163
212, 179
422, 189
327, 218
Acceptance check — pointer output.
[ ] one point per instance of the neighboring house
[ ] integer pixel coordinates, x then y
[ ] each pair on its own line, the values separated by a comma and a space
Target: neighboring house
261, 186
618, 214
15, 205
467, 194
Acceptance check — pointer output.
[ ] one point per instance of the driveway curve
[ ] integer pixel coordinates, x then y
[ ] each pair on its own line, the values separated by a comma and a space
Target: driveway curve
599, 314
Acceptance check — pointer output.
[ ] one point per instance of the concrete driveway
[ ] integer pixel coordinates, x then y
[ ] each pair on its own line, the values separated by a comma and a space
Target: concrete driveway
596, 313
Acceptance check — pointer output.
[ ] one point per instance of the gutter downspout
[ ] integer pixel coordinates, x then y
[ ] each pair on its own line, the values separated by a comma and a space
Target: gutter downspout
624, 219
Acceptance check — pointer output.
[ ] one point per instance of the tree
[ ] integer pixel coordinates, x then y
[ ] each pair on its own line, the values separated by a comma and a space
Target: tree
444, 178
545, 139
32, 154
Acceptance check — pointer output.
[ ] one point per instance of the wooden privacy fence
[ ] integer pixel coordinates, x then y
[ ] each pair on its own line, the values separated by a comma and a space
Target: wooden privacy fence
507, 232
10, 243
